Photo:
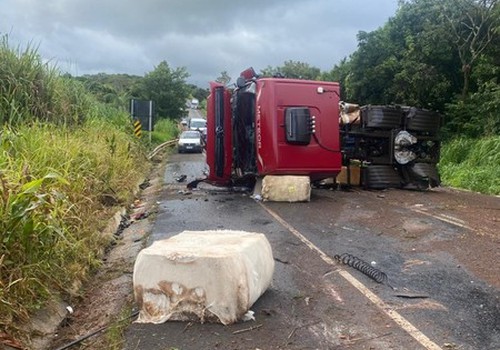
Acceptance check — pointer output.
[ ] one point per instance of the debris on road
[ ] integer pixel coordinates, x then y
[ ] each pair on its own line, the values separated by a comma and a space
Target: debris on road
181, 178
362, 266
412, 295
139, 216
184, 192
248, 329
145, 184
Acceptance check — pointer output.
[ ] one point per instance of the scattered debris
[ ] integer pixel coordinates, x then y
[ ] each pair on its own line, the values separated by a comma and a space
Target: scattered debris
248, 329
184, 192
140, 216
188, 325
281, 261
412, 295
267, 312
362, 266
124, 223
257, 197
145, 184
249, 316
181, 178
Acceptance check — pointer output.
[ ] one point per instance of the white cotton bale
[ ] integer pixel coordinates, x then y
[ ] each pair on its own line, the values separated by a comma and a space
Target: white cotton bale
211, 276
286, 188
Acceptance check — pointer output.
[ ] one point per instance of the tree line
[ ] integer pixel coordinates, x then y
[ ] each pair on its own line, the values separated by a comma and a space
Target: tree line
442, 55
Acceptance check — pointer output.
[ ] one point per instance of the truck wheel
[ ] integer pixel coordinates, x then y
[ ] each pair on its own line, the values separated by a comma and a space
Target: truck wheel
422, 120
424, 175
380, 177
381, 117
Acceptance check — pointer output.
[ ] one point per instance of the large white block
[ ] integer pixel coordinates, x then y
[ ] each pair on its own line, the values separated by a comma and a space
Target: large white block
211, 276
286, 188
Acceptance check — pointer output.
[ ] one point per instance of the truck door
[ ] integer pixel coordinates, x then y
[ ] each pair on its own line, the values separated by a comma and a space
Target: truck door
219, 137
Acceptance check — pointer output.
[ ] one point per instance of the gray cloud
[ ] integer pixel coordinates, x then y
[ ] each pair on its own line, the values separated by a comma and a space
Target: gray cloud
206, 37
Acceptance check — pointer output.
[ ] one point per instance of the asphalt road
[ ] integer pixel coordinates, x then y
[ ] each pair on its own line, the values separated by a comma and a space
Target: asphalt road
441, 258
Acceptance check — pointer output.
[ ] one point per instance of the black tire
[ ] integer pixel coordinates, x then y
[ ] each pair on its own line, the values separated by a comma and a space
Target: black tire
424, 175
381, 176
421, 120
381, 117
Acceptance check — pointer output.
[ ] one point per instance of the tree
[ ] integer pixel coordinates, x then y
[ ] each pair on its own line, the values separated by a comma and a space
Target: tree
474, 24
223, 78
409, 60
167, 88
339, 73
199, 93
294, 70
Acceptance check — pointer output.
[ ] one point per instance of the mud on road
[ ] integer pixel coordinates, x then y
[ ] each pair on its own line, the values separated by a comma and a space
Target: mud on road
440, 250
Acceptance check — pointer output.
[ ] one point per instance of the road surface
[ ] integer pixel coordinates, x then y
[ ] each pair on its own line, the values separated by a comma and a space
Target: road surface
440, 250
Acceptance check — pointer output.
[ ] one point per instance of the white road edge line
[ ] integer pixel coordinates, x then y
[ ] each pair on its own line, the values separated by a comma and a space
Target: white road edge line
444, 218
394, 315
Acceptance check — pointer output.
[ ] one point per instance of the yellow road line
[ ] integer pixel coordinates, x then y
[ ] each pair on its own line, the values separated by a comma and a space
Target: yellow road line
394, 315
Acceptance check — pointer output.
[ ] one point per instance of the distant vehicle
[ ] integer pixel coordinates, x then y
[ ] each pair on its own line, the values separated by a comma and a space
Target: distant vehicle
189, 141
194, 103
198, 124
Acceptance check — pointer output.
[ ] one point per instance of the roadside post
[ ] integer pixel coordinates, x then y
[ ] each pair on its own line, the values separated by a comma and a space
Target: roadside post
142, 114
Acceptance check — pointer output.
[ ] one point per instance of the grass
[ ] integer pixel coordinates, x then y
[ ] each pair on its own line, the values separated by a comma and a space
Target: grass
57, 186
164, 130
472, 164
67, 162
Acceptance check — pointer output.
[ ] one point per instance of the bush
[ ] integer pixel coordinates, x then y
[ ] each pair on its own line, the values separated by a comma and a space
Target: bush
165, 130
472, 164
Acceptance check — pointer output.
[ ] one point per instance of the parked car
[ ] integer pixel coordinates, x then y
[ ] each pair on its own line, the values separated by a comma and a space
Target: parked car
189, 141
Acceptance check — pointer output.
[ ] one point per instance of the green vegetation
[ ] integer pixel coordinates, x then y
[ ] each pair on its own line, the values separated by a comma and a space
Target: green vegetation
472, 164
165, 129
66, 162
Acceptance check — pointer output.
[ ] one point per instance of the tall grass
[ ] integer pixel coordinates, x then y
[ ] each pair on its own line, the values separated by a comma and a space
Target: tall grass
66, 163
57, 186
472, 164
164, 130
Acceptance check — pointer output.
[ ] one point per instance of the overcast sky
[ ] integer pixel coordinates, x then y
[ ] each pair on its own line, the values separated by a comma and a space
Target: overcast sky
205, 36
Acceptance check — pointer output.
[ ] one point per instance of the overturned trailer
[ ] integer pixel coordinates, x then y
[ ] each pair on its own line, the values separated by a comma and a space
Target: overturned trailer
280, 127
398, 146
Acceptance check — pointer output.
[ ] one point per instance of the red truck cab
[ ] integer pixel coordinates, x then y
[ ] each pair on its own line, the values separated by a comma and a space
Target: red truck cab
273, 126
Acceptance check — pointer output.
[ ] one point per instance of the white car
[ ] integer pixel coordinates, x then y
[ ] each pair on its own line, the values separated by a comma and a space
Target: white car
198, 124
189, 141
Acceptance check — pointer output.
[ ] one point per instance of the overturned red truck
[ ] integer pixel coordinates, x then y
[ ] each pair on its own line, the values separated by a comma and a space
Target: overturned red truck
278, 126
